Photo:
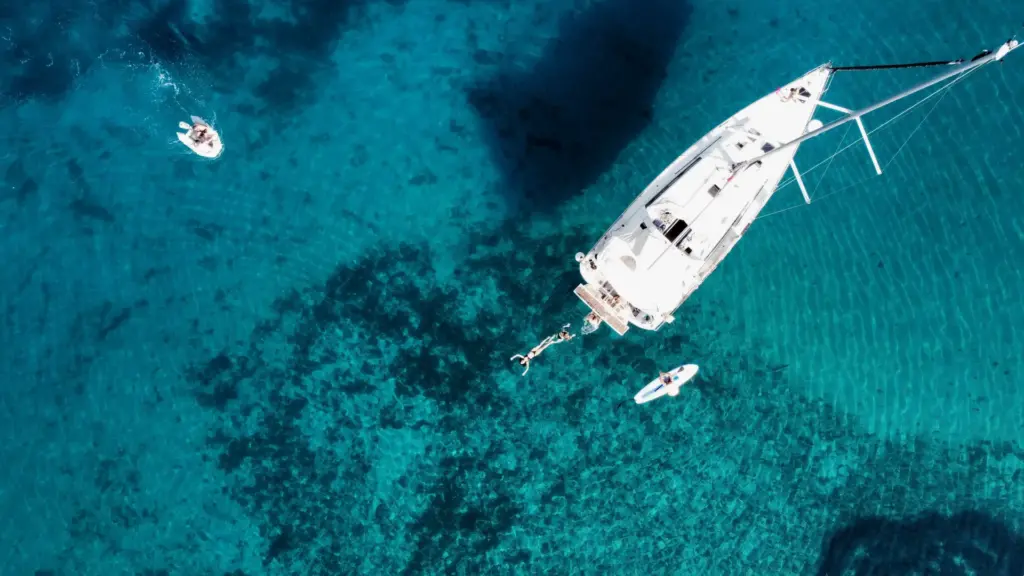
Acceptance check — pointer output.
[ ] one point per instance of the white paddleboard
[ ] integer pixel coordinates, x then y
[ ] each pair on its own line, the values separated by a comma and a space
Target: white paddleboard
210, 148
658, 388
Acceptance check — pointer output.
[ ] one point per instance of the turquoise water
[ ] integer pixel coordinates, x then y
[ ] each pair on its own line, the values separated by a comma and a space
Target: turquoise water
294, 359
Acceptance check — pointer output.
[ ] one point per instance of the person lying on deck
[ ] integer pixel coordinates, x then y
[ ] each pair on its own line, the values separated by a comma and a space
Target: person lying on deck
562, 336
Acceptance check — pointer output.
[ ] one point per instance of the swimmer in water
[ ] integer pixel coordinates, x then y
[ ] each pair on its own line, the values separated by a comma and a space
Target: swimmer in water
562, 336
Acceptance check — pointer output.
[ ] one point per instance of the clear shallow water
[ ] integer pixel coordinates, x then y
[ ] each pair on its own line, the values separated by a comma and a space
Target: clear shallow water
294, 359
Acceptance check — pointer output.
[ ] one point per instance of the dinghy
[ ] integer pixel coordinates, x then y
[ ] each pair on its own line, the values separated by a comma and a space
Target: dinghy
659, 387
201, 138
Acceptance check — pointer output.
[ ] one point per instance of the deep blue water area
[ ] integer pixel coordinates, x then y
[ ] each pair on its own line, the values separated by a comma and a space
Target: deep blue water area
294, 359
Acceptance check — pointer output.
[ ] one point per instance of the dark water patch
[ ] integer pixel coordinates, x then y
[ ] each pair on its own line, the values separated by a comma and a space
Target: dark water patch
75, 171
17, 179
85, 209
395, 296
424, 178
281, 544
208, 263
206, 231
967, 543
555, 129
43, 62
163, 33
360, 156
217, 380
27, 278
31, 74
486, 57
284, 87
152, 273
392, 296
111, 506
300, 495
234, 35
27, 189
110, 325
456, 530
42, 59
99, 322
15, 172
386, 329
119, 475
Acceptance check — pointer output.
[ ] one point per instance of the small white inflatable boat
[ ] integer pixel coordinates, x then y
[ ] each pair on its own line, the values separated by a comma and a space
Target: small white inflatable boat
201, 138
659, 387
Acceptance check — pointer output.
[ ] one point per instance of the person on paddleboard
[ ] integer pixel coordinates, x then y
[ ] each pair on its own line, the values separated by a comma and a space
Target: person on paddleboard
562, 336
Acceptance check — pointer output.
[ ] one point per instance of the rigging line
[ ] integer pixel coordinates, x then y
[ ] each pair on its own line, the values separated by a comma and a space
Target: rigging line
900, 149
916, 128
881, 126
802, 205
944, 90
861, 138
982, 59
831, 159
891, 160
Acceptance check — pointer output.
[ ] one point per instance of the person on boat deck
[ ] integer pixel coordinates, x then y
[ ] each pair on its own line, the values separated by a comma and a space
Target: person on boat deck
562, 336
666, 378
200, 133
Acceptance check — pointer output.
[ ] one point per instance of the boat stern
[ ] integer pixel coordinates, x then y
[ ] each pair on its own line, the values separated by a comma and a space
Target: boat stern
608, 305
601, 309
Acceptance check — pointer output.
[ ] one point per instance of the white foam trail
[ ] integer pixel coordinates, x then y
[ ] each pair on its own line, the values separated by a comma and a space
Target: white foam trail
185, 99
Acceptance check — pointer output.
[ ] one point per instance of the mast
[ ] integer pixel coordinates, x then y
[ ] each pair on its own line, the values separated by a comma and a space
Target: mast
978, 61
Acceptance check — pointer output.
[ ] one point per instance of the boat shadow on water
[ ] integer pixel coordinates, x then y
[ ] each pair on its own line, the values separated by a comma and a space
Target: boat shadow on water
555, 129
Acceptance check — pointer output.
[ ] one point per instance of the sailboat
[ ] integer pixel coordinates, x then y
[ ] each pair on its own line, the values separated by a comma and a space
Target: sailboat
687, 220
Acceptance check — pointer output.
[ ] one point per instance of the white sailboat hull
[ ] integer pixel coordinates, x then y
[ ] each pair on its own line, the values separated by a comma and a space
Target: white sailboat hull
686, 221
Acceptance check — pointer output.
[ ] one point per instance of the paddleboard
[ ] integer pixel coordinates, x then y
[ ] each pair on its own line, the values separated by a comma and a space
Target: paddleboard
210, 148
657, 388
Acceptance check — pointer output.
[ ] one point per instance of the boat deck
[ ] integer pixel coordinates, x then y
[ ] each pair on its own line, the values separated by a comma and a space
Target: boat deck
602, 309
684, 223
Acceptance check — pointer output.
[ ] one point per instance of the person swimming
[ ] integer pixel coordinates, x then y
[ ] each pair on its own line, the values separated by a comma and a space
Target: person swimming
563, 336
